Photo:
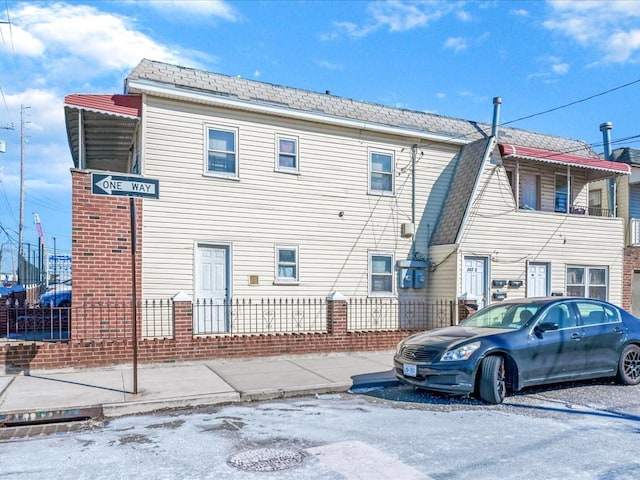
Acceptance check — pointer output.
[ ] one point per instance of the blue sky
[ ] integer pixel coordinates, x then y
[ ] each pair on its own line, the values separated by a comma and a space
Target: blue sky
445, 57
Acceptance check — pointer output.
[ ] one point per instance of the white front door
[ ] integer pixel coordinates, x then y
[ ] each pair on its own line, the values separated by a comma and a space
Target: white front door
211, 290
475, 279
538, 279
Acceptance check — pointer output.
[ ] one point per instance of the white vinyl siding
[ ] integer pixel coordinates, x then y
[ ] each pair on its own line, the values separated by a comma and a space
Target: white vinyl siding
267, 208
512, 238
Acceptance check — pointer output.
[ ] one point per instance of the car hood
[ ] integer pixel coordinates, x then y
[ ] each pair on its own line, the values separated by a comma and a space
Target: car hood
450, 336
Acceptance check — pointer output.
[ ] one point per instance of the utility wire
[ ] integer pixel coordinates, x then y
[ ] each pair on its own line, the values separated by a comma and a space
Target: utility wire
572, 103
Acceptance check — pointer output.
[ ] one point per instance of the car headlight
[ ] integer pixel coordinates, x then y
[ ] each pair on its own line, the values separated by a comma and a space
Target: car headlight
460, 353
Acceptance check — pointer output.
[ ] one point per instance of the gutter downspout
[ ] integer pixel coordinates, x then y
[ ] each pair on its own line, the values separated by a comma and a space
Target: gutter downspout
605, 128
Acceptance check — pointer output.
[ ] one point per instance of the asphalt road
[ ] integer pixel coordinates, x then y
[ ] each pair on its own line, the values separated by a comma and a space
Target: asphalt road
576, 431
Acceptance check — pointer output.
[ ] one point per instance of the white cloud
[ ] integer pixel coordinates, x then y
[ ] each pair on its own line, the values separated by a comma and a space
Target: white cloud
622, 45
329, 65
560, 68
456, 44
204, 9
519, 12
398, 16
606, 26
16, 40
66, 37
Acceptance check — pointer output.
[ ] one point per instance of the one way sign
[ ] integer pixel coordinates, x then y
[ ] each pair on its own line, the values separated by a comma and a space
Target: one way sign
124, 186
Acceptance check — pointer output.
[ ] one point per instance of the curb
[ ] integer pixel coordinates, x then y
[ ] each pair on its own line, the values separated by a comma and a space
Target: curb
112, 410
40, 417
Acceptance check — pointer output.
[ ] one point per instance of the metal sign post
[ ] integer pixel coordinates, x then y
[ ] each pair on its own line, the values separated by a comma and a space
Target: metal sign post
129, 186
134, 302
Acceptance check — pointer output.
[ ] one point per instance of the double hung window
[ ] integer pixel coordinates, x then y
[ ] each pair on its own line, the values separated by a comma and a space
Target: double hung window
222, 152
381, 173
286, 264
380, 274
287, 154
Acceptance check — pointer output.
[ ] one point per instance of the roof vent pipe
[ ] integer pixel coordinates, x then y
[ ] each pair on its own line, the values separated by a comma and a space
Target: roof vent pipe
605, 128
497, 101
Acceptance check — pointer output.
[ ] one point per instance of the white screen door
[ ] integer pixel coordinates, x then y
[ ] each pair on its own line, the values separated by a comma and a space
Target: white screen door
212, 279
537, 279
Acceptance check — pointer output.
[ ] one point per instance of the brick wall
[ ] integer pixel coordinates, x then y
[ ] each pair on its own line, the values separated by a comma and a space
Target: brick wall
101, 247
101, 250
184, 347
631, 264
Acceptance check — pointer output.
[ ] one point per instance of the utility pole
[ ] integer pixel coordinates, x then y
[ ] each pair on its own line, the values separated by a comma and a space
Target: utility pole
21, 220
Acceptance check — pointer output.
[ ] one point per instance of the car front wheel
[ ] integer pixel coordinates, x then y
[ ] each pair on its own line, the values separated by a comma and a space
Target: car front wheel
492, 385
629, 365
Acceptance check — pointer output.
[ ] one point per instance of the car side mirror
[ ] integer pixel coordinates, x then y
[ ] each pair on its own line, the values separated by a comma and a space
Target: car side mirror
544, 327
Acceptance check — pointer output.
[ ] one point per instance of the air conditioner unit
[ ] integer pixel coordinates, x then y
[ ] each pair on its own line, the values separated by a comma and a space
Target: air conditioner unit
406, 230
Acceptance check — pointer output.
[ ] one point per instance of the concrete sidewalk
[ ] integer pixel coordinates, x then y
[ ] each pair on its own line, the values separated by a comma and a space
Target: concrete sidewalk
71, 395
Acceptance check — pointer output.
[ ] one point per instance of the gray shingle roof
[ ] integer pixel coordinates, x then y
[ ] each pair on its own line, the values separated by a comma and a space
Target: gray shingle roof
464, 179
626, 155
313, 102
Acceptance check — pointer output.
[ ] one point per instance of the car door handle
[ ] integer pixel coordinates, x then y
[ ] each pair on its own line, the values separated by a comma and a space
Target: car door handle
576, 336
618, 330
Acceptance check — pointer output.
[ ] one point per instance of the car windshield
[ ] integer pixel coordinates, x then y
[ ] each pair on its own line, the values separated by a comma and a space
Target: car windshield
512, 316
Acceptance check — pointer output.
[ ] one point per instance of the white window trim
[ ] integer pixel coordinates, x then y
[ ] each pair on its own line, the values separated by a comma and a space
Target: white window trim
286, 280
278, 167
236, 135
385, 253
586, 283
386, 193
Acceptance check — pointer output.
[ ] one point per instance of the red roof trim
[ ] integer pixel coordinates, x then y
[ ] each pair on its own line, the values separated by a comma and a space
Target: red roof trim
563, 158
124, 105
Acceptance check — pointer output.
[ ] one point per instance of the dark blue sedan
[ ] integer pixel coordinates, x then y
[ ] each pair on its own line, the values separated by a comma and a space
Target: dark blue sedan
520, 343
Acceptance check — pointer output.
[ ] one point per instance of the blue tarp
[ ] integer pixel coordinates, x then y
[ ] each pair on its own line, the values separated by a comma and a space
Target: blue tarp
6, 291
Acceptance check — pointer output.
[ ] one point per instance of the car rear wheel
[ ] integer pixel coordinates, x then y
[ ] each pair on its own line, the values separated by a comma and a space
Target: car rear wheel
629, 365
493, 384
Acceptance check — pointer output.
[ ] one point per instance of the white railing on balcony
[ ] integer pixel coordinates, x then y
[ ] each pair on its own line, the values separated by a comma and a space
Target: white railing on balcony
634, 232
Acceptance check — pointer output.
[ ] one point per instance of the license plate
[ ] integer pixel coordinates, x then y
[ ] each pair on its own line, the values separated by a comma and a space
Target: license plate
409, 370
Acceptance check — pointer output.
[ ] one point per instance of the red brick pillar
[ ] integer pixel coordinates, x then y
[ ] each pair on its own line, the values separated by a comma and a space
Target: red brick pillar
101, 253
182, 318
336, 314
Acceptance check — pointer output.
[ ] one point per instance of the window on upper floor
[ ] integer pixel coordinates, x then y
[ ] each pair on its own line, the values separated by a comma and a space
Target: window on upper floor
380, 274
561, 194
222, 152
595, 202
381, 173
287, 154
592, 282
286, 264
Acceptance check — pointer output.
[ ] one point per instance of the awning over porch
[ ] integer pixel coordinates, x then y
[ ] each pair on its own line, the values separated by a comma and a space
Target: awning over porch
598, 167
101, 130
